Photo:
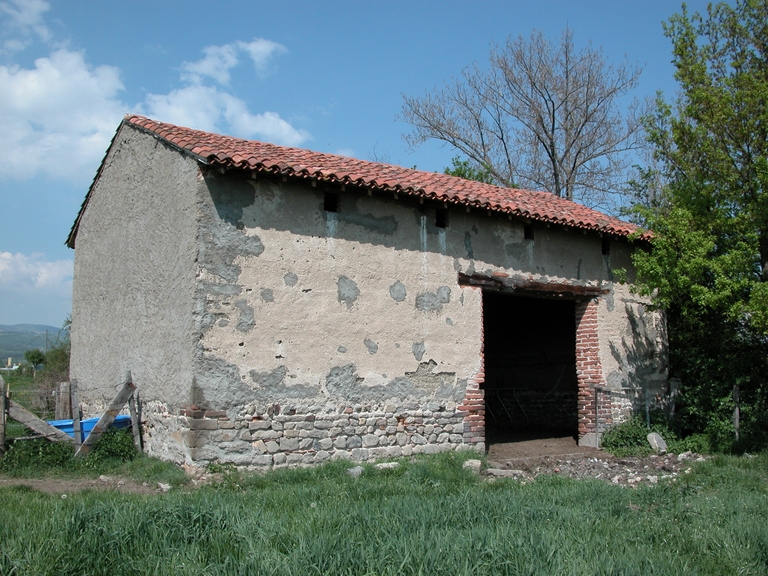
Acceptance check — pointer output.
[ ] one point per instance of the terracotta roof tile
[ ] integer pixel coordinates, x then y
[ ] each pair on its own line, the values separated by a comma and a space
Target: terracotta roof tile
229, 152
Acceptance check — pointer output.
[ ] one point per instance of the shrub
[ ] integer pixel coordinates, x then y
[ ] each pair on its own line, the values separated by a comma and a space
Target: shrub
114, 444
631, 437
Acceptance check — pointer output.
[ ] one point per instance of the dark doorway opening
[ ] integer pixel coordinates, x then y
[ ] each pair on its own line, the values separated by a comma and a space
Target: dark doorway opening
530, 367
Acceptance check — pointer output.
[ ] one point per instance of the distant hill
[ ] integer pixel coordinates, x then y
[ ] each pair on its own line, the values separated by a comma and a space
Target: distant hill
18, 338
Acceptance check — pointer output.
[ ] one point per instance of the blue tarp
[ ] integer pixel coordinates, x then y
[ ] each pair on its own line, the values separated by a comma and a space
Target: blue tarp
67, 426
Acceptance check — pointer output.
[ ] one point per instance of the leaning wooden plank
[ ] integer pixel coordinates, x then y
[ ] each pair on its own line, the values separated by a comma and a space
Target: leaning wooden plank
34, 423
2, 416
135, 422
108, 417
75, 403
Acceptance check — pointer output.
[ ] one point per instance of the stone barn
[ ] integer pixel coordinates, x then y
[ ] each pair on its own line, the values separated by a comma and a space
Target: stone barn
278, 306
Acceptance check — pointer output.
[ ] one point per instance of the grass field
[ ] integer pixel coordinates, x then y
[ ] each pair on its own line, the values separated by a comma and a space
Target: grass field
429, 516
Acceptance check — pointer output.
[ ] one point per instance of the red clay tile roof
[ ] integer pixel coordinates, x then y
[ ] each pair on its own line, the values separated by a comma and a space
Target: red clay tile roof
228, 152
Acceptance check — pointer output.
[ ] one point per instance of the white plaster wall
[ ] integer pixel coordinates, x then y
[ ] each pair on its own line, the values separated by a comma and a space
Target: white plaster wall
134, 279
282, 330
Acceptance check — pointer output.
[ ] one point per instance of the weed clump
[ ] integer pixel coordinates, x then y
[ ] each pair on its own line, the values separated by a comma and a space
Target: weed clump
631, 438
39, 455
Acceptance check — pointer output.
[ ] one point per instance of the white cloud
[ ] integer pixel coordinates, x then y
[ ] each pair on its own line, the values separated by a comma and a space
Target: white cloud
216, 64
219, 60
260, 51
208, 108
24, 17
30, 274
34, 290
58, 117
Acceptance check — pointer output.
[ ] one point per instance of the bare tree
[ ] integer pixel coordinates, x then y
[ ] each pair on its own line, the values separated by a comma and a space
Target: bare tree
542, 117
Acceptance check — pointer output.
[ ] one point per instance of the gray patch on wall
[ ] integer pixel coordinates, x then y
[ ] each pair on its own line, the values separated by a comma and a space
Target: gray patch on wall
219, 386
517, 251
341, 350
221, 238
221, 289
246, 321
433, 302
418, 350
468, 245
272, 386
371, 345
343, 382
397, 291
449, 321
290, 279
384, 225
221, 244
267, 295
608, 269
347, 291
230, 194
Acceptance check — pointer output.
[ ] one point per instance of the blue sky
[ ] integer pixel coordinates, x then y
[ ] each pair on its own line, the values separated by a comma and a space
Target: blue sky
328, 76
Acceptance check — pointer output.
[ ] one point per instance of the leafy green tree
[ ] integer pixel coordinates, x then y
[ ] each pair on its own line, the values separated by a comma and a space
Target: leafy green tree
465, 169
34, 357
708, 264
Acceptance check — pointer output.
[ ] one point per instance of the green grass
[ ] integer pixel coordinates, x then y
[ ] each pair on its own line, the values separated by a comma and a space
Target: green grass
114, 454
428, 516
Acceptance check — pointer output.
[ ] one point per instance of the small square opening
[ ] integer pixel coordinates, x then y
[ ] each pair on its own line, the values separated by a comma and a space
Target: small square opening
528, 232
331, 202
441, 217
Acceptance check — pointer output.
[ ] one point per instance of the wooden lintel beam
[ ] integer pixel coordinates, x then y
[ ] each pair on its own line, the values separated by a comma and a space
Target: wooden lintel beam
531, 287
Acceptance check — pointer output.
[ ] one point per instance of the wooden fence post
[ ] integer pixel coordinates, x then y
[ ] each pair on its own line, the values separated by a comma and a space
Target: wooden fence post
75, 404
63, 408
2, 416
109, 416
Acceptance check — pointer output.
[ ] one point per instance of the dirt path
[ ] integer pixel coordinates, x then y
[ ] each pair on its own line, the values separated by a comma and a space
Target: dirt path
66, 486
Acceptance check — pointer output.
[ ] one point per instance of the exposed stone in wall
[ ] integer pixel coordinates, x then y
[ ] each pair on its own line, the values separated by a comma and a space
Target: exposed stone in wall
268, 436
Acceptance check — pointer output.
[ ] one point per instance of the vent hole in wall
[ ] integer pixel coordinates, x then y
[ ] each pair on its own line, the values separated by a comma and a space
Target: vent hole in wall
331, 202
528, 232
441, 218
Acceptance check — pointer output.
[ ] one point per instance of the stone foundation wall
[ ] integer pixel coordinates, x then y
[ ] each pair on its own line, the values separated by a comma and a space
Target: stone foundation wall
268, 436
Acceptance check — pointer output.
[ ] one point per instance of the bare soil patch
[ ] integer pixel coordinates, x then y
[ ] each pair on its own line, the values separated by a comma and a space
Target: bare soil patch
65, 486
528, 458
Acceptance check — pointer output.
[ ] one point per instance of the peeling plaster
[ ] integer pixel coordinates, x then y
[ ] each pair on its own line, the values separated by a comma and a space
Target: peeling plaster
246, 320
433, 302
347, 291
397, 291
267, 295
271, 386
290, 279
372, 346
